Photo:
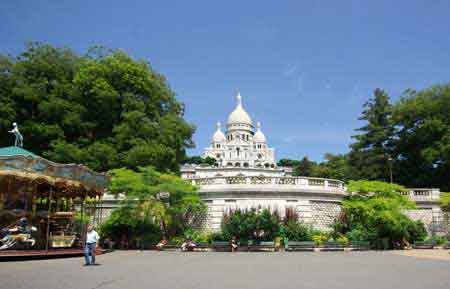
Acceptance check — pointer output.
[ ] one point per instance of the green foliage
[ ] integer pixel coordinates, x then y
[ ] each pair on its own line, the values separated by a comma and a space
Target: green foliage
343, 240
334, 167
176, 213
444, 202
439, 240
251, 224
422, 143
124, 223
319, 239
303, 167
199, 235
375, 187
208, 161
370, 153
357, 234
376, 212
103, 109
298, 231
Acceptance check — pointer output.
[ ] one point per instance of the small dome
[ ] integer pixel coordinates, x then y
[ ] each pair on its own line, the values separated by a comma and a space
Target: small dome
239, 115
218, 135
259, 136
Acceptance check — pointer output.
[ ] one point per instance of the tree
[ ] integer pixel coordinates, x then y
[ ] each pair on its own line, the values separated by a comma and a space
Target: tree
334, 167
303, 167
422, 143
376, 212
370, 153
198, 160
160, 197
103, 109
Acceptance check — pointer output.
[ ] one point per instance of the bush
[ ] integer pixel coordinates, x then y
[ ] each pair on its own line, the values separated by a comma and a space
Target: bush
439, 240
376, 213
343, 240
121, 225
320, 239
198, 235
297, 231
250, 224
357, 235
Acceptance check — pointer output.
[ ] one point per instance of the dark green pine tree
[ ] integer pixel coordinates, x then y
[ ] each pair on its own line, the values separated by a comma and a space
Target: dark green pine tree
370, 153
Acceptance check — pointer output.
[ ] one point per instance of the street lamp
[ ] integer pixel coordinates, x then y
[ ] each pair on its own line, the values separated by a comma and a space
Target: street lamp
390, 168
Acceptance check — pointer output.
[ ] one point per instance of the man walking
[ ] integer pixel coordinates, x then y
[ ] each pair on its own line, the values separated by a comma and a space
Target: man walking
91, 242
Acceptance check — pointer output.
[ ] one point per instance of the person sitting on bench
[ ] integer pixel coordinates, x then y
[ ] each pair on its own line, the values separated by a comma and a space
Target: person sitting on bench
188, 245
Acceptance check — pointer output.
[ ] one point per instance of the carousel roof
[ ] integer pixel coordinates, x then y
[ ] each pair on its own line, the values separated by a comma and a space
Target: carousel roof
16, 151
74, 179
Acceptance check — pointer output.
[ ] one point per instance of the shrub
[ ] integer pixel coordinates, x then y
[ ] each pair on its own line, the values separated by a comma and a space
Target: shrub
439, 240
357, 235
320, 239
376, 213
297, 231
343, 240
250, 224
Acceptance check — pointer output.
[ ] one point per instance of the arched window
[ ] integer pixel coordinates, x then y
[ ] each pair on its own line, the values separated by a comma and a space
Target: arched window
237, 164
229, 164
245, 165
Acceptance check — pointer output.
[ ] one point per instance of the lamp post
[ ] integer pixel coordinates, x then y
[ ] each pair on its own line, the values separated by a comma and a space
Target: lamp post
390, 169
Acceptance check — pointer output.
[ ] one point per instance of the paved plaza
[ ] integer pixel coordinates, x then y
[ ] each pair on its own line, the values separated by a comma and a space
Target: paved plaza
210, 270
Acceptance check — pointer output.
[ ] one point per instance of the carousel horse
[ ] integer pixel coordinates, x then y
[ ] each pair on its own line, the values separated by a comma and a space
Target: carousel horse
17, 235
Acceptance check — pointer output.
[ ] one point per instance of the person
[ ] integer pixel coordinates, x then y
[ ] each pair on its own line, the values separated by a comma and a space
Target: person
92, 238
161, 244
234, 244
188, 245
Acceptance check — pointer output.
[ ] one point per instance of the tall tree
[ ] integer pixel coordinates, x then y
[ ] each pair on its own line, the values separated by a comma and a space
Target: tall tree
371, 153
103, 109
422, 143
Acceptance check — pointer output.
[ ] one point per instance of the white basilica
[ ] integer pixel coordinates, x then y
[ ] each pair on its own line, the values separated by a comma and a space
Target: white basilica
241, 145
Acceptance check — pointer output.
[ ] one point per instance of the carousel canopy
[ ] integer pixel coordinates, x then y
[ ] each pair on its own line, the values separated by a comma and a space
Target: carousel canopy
71, 179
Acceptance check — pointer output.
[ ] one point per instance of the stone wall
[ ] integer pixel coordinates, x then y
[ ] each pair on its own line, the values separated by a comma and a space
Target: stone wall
324, 213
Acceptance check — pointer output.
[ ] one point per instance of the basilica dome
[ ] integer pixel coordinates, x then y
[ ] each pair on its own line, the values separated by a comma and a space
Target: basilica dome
219, 136
259, 136
239, 115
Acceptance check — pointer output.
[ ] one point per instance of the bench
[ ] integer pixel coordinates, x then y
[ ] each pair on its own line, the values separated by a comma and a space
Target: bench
300, 246
446, 245
359, 245
171, 246
221, 246
332, 246
424, 245
266, 246
202, 246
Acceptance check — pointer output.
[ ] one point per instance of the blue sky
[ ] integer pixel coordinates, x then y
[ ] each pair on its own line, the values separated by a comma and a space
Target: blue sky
304, 68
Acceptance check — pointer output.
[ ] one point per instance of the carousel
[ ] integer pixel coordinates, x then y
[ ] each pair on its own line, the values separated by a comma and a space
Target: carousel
45, 207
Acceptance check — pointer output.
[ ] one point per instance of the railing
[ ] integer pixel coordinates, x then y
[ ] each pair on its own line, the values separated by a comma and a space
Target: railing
266, 181
422, 194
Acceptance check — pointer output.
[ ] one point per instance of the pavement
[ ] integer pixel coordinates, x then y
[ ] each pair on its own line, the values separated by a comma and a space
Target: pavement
215, 270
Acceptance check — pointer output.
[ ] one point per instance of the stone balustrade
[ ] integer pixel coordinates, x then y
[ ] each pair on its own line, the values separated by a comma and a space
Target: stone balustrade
423, 195
265, 182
